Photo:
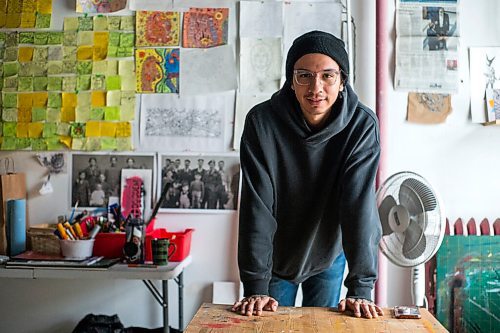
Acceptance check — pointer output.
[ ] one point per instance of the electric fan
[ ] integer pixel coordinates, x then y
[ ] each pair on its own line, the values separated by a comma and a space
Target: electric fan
413, 225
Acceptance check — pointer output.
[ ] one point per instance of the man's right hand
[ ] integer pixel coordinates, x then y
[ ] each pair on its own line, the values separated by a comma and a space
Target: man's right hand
255, 304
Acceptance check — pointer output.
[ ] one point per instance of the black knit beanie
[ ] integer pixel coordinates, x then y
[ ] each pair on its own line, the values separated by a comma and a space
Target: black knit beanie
317, 42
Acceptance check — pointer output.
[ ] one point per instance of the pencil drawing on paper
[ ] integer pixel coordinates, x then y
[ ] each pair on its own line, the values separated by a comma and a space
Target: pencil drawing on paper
183, 122
433, 102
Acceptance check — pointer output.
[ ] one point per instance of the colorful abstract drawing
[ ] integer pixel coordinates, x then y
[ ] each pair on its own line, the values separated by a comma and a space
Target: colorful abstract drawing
157, 70
100, 6
157, 28
205, 27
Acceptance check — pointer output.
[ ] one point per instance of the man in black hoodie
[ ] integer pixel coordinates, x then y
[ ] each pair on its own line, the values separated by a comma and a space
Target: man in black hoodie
309, 157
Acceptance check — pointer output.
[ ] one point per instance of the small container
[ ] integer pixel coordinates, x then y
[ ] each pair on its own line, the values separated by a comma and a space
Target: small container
77, 249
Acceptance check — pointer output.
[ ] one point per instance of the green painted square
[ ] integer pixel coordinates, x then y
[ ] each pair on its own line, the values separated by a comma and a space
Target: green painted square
84, 67
113, 82
100, 23
40, 54
114, 38
10, 83
111, 113
63, 129
127, 39
54, 83
54, 115
69, 53
40, 83
114, 22
82, 114
9, 114
54, 67
9, 143
27, 37
54, 144
42, 21
11, 39
69, 66
84, 82
9, 100
100, 67
70, 38
10, 54
54, 100
69, 83
25, 69
9, 129
70, 23
41, 38
38, 144
127, 23
55, 53
49, 129
108, 143
85, 23
25, 84
112, 51
77, 130
124, 51
10, 68
55, 38
23, 143
97, 113
39, 68
38, 114
98, 82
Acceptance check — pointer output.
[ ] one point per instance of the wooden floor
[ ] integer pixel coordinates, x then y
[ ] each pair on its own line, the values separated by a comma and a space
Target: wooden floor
212, 318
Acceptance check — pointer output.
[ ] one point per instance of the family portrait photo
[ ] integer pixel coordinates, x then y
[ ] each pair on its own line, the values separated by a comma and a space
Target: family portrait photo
96, 178
198, 182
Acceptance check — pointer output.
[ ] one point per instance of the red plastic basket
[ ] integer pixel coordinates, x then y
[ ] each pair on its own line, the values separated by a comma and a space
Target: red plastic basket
182, 241
109, 245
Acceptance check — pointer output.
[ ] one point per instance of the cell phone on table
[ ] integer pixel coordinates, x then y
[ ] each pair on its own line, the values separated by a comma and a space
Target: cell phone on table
407, 312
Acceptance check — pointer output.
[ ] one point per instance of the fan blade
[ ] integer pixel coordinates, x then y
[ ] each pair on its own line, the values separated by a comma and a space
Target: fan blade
383, 212
414, 243
426, 196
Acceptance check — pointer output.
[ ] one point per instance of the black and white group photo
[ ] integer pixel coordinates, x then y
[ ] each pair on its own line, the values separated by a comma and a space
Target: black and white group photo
200, 182
96, 178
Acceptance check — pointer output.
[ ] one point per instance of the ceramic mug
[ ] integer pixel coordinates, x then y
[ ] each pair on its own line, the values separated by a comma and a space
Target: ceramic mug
162, 250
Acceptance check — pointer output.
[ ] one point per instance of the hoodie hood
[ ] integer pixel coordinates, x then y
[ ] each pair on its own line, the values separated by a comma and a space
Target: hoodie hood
285, 105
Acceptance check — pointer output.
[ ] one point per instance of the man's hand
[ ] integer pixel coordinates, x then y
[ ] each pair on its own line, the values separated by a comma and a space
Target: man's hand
360, 307
255, 304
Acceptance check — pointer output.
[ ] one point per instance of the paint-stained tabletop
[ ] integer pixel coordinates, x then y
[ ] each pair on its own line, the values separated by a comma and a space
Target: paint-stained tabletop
212, 318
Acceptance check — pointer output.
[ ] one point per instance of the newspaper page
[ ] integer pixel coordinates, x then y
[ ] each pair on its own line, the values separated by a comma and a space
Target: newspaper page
427, 46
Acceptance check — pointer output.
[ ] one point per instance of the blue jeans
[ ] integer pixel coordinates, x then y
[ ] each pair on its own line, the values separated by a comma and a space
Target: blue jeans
322, 289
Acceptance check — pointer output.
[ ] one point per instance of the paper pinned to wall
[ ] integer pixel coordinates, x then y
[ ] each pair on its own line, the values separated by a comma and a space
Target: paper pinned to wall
156, 28
205, 27
260, 64
261, 19
157, 70
311, 16
100, 6
428, 108
244, 103
150, 5
176, 123
208, 71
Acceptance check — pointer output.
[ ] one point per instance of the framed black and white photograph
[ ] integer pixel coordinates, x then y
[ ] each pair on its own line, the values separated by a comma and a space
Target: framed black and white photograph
96, 177
199, 183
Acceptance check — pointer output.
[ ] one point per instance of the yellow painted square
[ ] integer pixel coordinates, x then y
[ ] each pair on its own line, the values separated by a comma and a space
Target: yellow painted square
25, 54
100, 53
123, 129
40, 98
101, 39
44, 6
108, 128
35, 130
98, 98
65, 140
93, 128
3, 18
67, 114
24, 114
25, 100
13, 20
22, 130
85, 52
28, 20
69, 99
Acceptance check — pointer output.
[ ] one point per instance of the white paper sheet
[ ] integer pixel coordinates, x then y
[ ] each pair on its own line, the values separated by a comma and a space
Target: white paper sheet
261, 19
324, 16
160, 5
260, 64
170, 122
205, 71
244, 103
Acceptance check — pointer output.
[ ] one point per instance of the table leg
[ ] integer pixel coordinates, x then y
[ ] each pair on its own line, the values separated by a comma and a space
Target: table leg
166, 327
180, 284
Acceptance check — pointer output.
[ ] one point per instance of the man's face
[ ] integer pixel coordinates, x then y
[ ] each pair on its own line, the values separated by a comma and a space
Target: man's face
187, 163
316, 99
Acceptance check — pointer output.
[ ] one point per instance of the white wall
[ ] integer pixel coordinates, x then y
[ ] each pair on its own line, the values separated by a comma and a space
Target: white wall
457, 157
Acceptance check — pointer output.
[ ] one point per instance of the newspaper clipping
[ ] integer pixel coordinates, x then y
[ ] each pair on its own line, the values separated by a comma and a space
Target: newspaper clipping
427, 46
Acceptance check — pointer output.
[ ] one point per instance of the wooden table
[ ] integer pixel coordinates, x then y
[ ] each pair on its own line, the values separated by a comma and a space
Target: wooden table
212, 318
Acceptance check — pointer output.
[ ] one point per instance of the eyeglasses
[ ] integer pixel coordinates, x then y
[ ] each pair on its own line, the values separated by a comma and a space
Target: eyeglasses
304, 77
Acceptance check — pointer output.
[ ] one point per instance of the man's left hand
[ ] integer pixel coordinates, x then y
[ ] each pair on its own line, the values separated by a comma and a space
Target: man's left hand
360, 307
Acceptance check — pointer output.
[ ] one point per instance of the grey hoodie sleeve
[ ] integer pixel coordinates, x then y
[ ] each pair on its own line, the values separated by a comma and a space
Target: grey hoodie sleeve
361, 229
257, 224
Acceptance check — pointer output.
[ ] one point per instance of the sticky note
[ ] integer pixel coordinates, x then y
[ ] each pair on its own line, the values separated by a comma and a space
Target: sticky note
127, 97
55, 38
92, 144
40, 98
70, 38
10, 54
26, 37
125, 51
83, 82
42, 21
108, 143
9, 143
35, 130
25, 54
54, 143
100, 67
68, 114
82, 114
10, 83
127, 39
114, 22
69, 66
66, 141
40, 54
25, 69
24, 114
63, 129
113, 98
77, 130
25, 100
100, 23
69, 53
25, 84
124, 144
39, 68
111, 113
84, 98
54, 67
55, 100
112, 67
84, 67
13, 20
98, 98
100, 53
41, 38
9, 114
126, 67
11, 39
49, 129
69, 99
69, 83
40, 83
22, 130
85, 38
55, 53
44, 6
54, 83
28, 20
70, 23
112, 51
108, 128
98, 82
114, 38
96, 113
93, 128
127, 112
23, 143
9, 100
127, 23
85, 23
9, 129
53, 115
85, 52
38, 144
10, 68
78, 144
38, 114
